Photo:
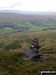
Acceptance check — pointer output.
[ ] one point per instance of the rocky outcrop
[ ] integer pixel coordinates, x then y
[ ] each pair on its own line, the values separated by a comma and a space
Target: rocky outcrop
32, 52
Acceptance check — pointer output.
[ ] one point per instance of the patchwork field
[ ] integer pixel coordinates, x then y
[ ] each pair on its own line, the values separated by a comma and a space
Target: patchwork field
23, 23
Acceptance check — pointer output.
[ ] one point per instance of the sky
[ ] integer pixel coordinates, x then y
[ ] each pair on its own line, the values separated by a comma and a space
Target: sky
29, 5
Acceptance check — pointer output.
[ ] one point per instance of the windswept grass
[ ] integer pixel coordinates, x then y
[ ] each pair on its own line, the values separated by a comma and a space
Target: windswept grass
11, 62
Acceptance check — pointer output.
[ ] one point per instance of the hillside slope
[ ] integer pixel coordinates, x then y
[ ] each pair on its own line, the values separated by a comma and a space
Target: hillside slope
11, 61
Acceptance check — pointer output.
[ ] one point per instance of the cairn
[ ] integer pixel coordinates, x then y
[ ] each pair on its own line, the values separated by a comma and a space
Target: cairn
32, 52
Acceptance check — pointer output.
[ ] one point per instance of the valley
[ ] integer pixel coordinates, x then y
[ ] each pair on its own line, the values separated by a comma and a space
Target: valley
16, 34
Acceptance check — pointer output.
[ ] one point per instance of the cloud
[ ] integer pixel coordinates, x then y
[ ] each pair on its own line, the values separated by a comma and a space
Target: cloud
28, 5
16, 4
11, 4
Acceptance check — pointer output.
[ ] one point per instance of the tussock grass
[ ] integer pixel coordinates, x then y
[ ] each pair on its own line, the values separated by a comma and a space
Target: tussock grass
11, 62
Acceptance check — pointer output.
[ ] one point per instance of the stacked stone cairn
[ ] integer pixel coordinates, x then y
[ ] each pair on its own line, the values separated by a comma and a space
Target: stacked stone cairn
32, 52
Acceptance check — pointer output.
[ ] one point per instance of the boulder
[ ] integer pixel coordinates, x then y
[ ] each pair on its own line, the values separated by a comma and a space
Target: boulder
29, 53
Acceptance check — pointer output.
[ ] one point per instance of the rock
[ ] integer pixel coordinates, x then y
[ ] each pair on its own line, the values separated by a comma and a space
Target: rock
37, 57
32, 52
29, 53
1, 49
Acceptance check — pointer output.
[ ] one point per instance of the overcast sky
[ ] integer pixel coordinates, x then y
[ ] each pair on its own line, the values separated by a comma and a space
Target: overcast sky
29, 5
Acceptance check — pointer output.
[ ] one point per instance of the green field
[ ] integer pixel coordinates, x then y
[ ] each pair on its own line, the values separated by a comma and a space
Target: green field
27, 26
23, 23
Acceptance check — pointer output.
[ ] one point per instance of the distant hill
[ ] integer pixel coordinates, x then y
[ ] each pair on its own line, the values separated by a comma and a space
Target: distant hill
14, 16
26, 22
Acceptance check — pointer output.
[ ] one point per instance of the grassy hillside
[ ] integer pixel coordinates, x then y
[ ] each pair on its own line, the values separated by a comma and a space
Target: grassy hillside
12, 45
16, 34
9, 39
11, 63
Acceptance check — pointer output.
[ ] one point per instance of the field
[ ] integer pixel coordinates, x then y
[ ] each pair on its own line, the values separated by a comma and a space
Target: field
24, 23
11, 61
